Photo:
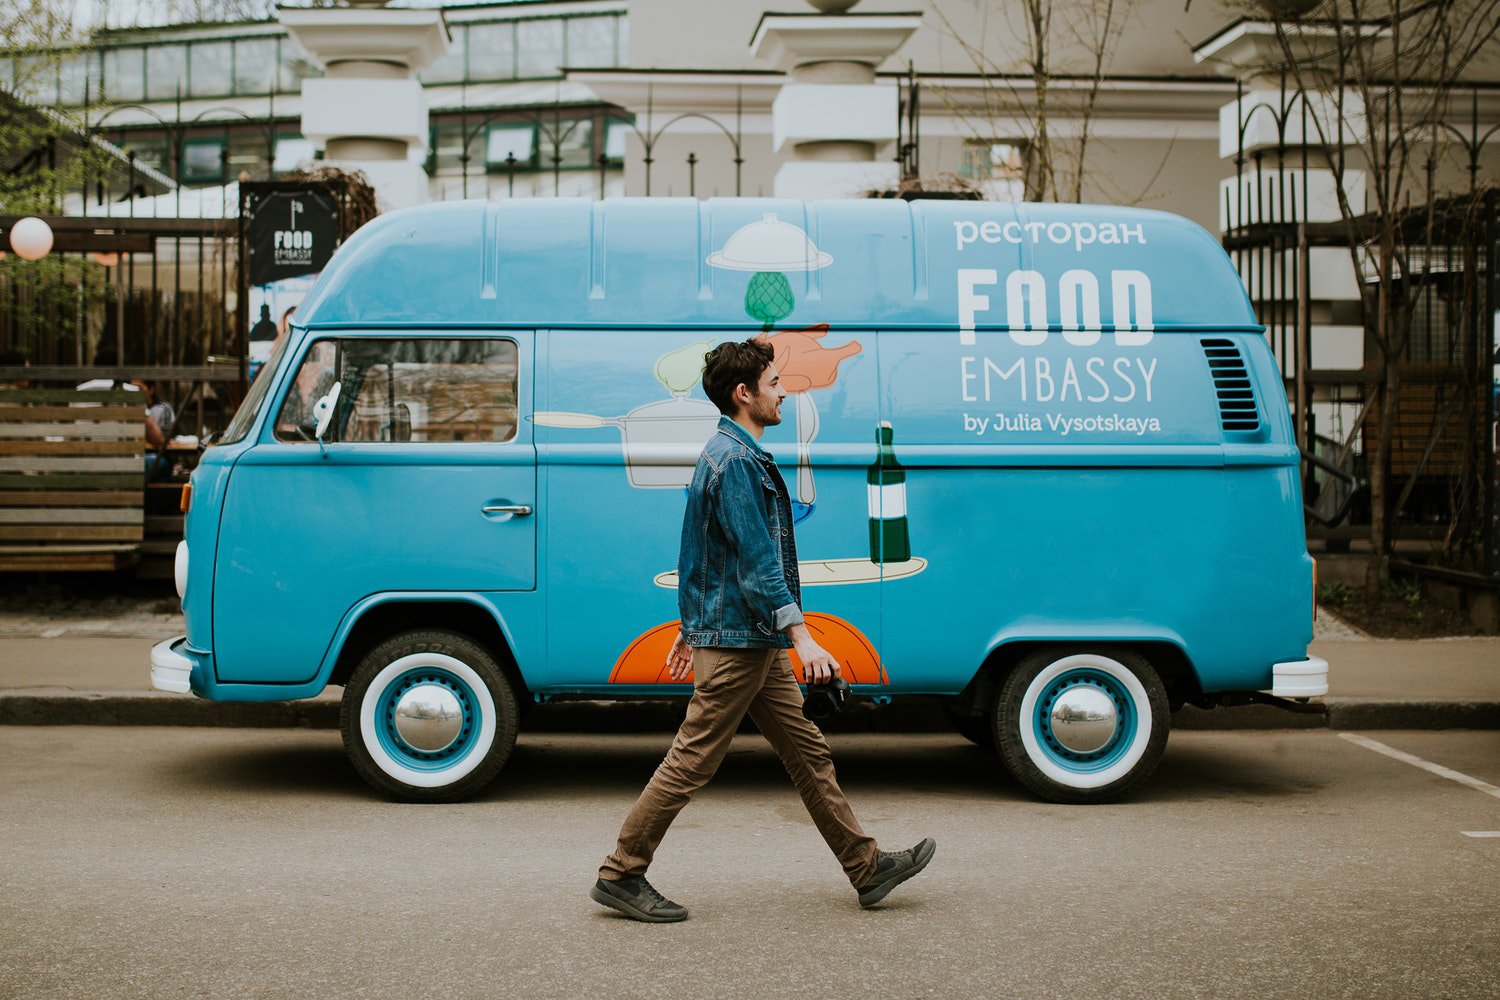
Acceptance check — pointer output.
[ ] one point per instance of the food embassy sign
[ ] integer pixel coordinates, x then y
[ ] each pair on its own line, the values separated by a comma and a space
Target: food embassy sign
289, 234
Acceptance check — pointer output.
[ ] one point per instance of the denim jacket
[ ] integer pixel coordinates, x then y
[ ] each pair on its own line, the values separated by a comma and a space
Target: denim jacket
737, 568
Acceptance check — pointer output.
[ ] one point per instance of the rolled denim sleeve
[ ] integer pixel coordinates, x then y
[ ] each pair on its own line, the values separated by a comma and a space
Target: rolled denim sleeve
786, 616
742, 506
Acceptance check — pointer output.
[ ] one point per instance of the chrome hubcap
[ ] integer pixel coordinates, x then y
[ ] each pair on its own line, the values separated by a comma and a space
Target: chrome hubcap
429, 717
1084, 719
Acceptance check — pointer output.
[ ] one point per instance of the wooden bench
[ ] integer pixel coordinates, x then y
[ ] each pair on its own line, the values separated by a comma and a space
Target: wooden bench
71, 479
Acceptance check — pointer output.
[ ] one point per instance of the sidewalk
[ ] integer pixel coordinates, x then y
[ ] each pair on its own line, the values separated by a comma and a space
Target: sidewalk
95, 671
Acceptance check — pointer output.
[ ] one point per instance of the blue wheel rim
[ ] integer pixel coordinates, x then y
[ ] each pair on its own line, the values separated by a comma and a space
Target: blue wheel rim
403, 752
1125, 730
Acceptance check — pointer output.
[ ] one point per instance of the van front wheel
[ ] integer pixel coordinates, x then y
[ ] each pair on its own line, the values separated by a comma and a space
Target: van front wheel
1082, 726
428, 717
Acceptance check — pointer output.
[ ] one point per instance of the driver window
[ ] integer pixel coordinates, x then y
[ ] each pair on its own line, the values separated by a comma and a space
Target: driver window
408, 390
296, 423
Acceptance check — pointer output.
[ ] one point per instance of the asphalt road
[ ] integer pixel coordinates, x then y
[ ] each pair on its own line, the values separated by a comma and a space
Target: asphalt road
228, 863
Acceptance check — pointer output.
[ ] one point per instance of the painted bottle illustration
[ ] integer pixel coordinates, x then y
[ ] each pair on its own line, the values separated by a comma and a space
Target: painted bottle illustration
890, 538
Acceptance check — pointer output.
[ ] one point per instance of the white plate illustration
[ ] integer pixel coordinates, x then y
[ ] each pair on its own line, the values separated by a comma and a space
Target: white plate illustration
833, 572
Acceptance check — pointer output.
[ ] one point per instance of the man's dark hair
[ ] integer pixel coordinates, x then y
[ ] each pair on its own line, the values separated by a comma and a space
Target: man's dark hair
733, 363
11, 356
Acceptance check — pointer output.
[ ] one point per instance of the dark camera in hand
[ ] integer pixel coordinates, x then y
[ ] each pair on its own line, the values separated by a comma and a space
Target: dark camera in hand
824, 701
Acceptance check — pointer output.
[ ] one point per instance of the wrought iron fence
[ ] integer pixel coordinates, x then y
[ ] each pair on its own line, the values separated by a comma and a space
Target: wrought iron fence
1442, 496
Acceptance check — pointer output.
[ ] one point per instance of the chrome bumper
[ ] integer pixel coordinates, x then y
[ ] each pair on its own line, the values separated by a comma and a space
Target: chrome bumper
170, 670
1300, 678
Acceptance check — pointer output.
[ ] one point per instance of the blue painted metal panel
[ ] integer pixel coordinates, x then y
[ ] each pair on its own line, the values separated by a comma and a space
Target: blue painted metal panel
646, 262
201, 533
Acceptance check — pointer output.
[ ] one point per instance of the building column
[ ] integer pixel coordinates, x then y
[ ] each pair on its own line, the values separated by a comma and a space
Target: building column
369, 112
832, 115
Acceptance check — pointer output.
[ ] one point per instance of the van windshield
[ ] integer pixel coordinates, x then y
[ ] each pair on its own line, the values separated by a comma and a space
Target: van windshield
244, 417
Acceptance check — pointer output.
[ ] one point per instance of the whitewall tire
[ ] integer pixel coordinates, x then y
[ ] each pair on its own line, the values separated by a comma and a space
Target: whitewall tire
1081, 725
428, 716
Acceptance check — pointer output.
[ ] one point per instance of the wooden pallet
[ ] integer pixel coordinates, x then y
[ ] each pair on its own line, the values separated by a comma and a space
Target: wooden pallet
71, 478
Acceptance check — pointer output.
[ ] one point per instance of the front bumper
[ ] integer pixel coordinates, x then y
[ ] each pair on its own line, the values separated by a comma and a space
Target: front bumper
1300, 678
170, 669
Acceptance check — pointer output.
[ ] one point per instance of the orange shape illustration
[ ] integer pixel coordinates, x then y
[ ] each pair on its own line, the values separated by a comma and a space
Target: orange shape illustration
804, 363
645, 660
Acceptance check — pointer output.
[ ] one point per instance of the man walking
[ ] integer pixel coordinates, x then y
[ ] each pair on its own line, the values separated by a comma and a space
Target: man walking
739, 596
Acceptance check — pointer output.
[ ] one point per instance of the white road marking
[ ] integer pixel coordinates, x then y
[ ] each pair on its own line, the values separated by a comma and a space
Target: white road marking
1481, 833
1426, 765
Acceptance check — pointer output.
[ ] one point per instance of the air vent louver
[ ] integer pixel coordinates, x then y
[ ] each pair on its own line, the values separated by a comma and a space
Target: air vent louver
1237, 411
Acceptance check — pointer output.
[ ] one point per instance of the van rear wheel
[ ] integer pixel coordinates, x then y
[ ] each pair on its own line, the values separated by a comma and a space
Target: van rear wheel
1082, 725
428, 717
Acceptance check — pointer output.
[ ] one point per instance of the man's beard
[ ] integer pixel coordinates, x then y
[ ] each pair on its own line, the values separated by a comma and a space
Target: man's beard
768, 415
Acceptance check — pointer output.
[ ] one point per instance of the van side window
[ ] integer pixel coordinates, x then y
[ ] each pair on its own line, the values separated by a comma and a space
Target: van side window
314, 378
412, 390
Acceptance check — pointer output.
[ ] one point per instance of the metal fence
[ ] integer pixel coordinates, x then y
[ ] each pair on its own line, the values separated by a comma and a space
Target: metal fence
1441, 472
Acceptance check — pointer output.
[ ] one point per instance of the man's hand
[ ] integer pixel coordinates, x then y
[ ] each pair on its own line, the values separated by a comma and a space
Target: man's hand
818, 665
680, 659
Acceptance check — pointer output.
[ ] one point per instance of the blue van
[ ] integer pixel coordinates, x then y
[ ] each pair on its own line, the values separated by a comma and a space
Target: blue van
1041, 458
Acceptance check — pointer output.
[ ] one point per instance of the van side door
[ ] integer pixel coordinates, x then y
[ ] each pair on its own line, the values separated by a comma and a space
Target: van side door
425, 481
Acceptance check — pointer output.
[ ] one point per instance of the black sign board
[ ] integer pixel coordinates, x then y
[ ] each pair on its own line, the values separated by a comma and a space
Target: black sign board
289, 234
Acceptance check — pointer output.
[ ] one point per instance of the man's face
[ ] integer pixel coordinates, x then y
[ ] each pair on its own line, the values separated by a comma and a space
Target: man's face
764, 407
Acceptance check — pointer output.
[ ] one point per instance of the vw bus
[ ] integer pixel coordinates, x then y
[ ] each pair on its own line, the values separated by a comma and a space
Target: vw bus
1040, 456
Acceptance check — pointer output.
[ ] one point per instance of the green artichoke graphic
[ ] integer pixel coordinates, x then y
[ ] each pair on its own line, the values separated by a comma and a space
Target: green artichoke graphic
769, 298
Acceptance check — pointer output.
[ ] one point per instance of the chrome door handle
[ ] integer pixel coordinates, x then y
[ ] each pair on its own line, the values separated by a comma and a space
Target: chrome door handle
518, 509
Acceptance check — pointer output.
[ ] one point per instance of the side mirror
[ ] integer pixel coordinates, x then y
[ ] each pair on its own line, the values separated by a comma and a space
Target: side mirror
323, 410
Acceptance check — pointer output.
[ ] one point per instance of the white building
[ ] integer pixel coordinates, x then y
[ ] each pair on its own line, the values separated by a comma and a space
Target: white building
210, 103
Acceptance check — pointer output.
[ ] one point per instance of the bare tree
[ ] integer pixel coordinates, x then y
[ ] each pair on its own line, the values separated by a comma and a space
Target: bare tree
1378, 79
1067, 47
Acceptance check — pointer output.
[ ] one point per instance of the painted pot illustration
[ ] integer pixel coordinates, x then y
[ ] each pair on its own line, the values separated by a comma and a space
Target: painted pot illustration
662, 439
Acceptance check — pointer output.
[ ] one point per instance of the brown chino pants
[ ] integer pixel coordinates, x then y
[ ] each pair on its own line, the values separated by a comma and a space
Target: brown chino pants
727, 683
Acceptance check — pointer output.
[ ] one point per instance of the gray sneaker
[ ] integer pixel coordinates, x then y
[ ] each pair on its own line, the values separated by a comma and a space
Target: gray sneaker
638, 900
893, 869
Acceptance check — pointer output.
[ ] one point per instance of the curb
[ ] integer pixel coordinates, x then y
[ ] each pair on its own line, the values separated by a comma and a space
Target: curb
915, 715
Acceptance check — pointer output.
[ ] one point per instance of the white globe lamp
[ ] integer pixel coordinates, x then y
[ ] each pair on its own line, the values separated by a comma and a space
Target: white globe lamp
31, 238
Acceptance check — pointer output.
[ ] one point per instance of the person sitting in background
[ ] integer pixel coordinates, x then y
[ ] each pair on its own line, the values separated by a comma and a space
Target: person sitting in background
160, 417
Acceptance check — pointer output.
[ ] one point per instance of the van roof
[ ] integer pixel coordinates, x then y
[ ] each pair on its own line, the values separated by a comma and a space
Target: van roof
753, 263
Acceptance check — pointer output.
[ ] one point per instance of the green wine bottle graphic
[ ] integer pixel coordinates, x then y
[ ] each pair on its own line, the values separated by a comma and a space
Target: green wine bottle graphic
890, 538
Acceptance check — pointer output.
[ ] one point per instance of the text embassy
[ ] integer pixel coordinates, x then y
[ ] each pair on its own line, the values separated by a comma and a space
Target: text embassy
1038, 380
